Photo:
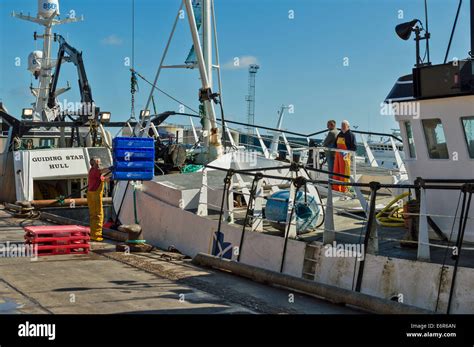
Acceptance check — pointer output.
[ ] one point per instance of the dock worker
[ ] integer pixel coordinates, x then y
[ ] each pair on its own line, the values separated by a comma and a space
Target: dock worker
342, 161
95, 190
330, 142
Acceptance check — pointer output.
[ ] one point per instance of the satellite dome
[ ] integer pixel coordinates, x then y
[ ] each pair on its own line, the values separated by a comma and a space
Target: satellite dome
46, 8
35, 60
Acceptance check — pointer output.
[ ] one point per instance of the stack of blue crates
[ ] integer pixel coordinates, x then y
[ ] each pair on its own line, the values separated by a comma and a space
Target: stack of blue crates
134, 159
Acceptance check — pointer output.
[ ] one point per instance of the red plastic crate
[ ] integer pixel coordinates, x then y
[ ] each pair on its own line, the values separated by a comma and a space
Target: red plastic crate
81, 248
58, 239
56, 230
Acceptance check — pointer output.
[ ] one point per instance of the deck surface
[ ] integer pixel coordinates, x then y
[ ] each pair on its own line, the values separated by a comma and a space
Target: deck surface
350, 229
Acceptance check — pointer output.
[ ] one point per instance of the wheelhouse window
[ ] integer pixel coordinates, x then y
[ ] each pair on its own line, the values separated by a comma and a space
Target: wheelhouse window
411, 141
435, 139
468, 125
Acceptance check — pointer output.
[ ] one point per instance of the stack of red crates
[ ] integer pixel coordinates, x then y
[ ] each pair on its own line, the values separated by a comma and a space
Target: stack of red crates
58, 239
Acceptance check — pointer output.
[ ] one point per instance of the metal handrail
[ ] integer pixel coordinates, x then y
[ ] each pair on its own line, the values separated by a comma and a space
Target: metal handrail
465, 186
287, 131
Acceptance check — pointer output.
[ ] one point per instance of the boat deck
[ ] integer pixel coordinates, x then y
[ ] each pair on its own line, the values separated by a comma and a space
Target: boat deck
350, 229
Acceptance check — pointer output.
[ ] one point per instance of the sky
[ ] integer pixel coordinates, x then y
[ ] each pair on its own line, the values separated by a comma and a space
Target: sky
328, 59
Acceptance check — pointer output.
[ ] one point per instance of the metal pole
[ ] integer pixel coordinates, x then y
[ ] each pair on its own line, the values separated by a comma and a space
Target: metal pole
374, 186
329, 234
207, 38
137, 126
427, 33
7, 147
227, 182
214, 146
291, 206
257, 177
117, 217
468, 188
45, 77
423, 253
216, 49
200, 59
417, 39
218, 69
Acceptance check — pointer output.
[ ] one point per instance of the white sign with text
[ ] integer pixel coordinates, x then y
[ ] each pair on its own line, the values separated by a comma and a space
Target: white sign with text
47, 164
58, 163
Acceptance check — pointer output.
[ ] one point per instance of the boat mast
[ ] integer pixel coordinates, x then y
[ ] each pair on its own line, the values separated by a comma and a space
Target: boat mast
47, 13
207, 38
212, 142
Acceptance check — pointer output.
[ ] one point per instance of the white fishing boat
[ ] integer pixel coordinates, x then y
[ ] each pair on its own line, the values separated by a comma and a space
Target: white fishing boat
46, 151
223, 210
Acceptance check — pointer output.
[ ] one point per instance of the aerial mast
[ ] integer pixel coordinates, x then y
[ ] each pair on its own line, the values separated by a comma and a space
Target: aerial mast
40, 62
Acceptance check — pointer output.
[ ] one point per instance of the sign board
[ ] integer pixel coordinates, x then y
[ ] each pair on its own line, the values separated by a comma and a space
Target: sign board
58, 163
50, 164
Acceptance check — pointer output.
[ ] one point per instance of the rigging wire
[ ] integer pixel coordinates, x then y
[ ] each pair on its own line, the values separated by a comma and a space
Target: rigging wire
154, 105
165, 93
133, 78
452, 31
133, 33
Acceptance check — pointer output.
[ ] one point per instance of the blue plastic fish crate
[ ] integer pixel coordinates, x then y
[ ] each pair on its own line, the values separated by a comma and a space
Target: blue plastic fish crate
134, 159
133, 175
133, 154
133, 165
132, 142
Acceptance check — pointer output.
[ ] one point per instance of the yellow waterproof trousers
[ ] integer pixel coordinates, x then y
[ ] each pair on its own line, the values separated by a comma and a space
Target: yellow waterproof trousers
96, 212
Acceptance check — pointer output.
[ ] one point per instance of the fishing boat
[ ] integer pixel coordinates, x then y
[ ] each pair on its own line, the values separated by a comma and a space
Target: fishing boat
267, 212
46, 150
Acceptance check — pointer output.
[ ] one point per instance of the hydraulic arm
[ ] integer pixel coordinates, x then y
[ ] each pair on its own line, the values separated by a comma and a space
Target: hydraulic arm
68, 53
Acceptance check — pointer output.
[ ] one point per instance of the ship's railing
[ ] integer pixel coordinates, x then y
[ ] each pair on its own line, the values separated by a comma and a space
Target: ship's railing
298, 134
311, 156
348, 157
372, 232
290, 145
306, 136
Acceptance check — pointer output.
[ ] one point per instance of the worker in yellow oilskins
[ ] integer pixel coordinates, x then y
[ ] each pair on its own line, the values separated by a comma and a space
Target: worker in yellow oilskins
95, 190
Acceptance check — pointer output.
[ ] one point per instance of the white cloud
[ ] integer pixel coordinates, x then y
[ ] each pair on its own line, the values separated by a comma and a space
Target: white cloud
112, 40
241, 62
